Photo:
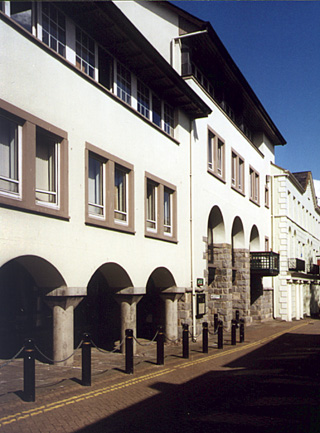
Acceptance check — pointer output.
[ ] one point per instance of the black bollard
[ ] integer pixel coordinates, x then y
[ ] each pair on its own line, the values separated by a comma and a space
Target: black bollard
215, 322
205, 332
160, 346
86, 360
241, 331
237, 315
29, 377
185, 341
220, 334
129, 351
233, 332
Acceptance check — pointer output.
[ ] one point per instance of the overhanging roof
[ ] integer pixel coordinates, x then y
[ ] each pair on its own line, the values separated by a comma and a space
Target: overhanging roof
112, 30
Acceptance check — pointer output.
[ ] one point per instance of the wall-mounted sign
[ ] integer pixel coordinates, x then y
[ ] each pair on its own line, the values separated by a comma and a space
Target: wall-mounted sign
199, 282
201, 305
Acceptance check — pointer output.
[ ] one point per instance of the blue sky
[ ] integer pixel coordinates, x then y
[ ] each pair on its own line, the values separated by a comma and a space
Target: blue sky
276, 45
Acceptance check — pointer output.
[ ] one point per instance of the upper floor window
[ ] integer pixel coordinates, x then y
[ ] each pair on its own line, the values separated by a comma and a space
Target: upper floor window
109, 190
96, 181
266, 196
237, 172
10, 143
21, 12
160, 209
254, 185
53, 28
123, 83
216, 155
85, 53
168, 119
143, 99
43, 150
47, 156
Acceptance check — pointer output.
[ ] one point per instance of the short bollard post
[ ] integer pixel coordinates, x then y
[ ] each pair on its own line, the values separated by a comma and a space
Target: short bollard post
233, 332
185, 341
241, 331
220, 334
205, 332
86, 360
215, 322
160, 346
29, 377
237, 316
129, 351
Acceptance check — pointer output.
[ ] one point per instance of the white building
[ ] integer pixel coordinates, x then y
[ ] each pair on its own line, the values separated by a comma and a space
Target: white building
296, 222
131, 169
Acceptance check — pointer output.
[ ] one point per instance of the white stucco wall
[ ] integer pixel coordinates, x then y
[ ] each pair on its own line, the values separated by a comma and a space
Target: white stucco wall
48, 89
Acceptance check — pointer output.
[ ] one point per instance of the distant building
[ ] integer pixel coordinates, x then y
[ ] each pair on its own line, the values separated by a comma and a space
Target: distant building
296, 223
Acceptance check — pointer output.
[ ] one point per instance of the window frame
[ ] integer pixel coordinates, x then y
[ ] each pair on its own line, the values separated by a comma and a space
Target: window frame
215, 165
26, 200
239, 176
254, 186
159, 231
108, 220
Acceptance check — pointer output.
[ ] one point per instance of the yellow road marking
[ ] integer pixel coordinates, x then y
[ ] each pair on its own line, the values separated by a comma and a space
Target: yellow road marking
71, 400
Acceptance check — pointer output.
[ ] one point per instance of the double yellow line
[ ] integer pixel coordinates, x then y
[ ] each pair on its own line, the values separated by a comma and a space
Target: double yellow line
127, 383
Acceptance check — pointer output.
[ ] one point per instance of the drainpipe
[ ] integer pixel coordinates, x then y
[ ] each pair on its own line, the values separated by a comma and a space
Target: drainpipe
191, 241
272, 238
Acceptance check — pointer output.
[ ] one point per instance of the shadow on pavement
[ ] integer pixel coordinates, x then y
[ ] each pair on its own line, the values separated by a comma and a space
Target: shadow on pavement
272, 389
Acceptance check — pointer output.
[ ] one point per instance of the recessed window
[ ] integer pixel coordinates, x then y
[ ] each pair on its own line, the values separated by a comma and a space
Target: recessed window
109, 191
168, 119
160, 209
266, 196
33, 163
156, 111
96, 185
123, 83
46, 168
53, 28
10, 136
254, 185
237, 172
85, 53
216, 155
120, 194
143, 99
151, 205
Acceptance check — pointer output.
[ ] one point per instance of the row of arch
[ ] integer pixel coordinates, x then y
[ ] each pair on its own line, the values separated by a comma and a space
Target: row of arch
217, 232
27, 283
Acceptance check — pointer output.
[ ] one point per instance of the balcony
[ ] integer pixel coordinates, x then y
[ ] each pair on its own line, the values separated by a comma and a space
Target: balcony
313, 269
297, 265
264, 263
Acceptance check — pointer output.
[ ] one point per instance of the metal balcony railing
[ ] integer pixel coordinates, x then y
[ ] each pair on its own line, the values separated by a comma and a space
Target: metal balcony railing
313, 269
297, 265
264, 263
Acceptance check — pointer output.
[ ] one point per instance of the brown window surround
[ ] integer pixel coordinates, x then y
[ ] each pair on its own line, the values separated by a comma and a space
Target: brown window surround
216, 155
156, 227
30, 130
267, 196
254, 186
237, 172
110, 216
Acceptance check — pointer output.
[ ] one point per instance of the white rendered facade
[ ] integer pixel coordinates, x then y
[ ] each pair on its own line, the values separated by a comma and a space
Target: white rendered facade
296, 219
122, 191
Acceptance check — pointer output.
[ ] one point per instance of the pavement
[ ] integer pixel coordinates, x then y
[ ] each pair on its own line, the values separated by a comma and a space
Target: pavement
268, 383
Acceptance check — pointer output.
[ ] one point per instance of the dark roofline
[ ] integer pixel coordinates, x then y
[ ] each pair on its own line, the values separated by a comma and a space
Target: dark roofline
205, 25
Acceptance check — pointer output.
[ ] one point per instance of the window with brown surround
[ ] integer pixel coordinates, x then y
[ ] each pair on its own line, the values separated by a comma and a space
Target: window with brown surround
216, 155
160, 209
109, 194
33, 163
237, 172
254, 186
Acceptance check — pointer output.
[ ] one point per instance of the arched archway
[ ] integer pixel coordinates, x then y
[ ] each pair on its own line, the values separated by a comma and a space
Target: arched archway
24, 313
254, 239
216, 232
151, 308
100, 313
